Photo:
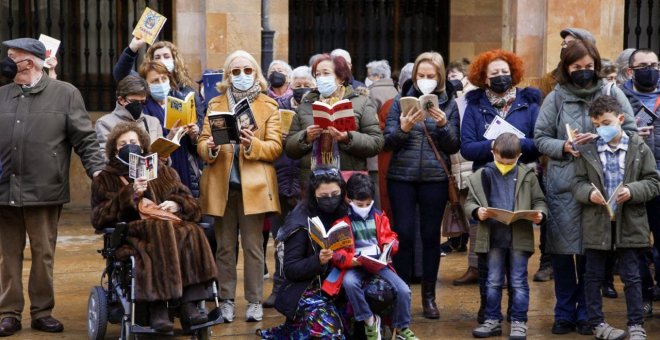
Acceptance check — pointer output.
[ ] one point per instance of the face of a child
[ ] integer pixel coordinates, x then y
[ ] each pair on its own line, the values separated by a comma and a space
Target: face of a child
362, 203
607, 118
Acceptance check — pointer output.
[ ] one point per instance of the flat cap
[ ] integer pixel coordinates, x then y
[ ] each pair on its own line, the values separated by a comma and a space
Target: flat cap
578, 33
29, 45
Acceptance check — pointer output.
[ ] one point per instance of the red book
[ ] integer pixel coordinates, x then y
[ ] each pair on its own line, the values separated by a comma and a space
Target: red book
340, 115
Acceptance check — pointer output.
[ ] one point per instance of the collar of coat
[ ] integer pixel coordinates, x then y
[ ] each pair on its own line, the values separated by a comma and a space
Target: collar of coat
475, 185
40, 86
590, 154
122, 113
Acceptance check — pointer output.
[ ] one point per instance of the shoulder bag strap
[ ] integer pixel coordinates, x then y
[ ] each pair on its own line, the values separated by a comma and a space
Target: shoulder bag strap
435, 150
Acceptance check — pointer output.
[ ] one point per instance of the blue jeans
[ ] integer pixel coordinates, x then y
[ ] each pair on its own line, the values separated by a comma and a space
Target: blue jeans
497, 260
352, 283
569, 287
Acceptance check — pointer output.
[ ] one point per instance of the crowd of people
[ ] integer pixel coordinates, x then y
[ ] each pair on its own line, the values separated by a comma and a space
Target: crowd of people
582, 152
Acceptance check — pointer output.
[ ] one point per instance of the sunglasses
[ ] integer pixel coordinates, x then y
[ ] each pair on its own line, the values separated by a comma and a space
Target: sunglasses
237, 71
325, 172
131, 101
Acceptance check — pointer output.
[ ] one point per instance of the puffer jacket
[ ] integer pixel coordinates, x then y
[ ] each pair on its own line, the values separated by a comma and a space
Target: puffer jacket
562, 106
413, 159
366, 140
479, 113
652, 141
640, 177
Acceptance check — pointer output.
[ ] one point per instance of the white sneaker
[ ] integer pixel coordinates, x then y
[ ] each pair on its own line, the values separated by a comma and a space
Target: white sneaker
636, 332
227, 310
254, 312
606, 332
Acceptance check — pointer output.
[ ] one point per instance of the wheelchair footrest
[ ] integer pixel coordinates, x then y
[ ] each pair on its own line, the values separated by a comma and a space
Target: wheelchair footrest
215, 318
137, 329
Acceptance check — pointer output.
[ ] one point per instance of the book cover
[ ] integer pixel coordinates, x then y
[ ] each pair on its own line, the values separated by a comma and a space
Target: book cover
143, 166
244, 115
339, 236
325, 152
340, 115
422, 103
571, 135
224, 128
507, 217
182, 110
210, 82
51, 44
164, 147
499, 126
149, 26
286, 118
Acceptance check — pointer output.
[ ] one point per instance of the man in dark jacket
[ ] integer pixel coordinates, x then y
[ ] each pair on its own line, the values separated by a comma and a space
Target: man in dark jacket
43, 119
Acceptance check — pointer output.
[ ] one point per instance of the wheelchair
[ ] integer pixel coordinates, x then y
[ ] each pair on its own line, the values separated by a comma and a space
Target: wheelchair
113, 300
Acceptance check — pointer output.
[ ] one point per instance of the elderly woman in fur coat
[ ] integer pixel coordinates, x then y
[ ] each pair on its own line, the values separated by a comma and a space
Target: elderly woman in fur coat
173, 259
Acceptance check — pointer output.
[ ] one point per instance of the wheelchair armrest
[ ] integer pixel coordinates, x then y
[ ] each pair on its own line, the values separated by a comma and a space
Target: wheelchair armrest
118, 234
108, 231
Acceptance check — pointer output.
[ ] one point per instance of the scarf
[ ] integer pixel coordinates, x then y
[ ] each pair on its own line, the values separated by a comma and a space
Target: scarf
501, 103
235, 95
584, 92
332, 100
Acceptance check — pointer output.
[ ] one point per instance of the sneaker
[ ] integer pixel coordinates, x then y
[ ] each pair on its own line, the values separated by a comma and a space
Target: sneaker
373, 331
443, 254
647, 309
562, 327
636, 332
518, 330
227, 310
607, 332
544, 274
488, 329
406, 334
254, 312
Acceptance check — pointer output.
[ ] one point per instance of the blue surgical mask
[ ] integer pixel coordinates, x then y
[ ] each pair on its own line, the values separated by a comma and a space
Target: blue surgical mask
160, 91
608, 132
242, 82
169, 64
326, 85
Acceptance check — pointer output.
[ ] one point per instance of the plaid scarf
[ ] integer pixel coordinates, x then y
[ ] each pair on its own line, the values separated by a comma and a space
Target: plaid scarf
235, 95
501, 103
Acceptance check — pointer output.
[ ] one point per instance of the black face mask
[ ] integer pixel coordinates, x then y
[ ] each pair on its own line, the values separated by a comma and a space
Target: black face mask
582, 78
299, 93
9, 68
276, 79
646, 78
124, 153
500, 84
329, 204
134, 108
457, 85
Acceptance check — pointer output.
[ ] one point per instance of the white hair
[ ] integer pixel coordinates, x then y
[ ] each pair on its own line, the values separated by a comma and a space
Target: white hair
622, 62
406, 73
38, 62
303, 72
226, 80
380, 68
338, 52
282, 63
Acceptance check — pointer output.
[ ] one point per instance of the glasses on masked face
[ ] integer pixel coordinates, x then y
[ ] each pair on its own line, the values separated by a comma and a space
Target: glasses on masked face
237, 71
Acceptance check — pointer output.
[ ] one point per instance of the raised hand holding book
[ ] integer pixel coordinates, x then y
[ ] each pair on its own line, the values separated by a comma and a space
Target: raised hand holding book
149, 26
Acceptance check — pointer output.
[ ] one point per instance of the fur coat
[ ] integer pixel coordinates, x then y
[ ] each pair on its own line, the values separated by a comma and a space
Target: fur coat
169, 255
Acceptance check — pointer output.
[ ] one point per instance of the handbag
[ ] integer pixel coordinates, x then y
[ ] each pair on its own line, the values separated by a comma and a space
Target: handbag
150, 211
454, 221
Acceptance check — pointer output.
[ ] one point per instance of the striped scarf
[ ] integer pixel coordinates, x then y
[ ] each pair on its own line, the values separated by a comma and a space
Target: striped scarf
235, 95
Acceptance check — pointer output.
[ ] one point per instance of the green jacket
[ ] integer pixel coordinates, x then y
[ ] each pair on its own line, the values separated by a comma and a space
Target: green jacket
528, 197
641, 178
367, 141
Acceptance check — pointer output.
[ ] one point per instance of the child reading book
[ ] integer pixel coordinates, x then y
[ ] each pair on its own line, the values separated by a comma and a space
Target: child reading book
372, 235
620, 166
505, 184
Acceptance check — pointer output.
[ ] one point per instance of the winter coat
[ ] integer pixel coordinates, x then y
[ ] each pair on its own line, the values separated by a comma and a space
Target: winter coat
479, 114
287, 169
652, 141
561, 107
258, 178
382, 91
169, 255
461, 168
39, 129
105, 124
643, 181
528, 197
366, 141
413, 159
301, 264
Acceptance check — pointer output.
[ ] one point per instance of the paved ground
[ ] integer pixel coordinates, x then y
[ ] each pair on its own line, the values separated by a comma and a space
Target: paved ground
78, 268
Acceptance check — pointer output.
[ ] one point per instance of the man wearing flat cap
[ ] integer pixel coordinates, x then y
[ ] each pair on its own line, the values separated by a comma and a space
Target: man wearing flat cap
42, 119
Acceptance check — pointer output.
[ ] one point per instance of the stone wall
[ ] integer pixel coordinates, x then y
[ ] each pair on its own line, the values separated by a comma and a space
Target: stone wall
475, 27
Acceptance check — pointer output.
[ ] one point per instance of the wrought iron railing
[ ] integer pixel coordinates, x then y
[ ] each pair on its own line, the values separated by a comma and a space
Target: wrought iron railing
642, 24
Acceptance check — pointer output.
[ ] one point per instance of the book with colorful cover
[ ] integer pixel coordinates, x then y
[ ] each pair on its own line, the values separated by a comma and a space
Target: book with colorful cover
226, 126
149, 26
143, 166
339, 236
286, 118
339, 115
210, 82
325, 152
374, 264
182, 110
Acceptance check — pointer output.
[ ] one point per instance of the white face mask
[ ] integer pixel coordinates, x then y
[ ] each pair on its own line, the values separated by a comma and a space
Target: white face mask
362, 212
368, 82
427, 85
169, 64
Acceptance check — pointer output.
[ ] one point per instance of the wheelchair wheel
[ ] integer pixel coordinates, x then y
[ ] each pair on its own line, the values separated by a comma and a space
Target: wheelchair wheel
97, 313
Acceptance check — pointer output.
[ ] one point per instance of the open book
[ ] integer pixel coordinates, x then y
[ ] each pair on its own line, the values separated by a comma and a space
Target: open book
149, 26
226, 126
499, 126
422, 103
210, 82
507, 217
143, 166
51, 44
339, 236
286, 117
181, 110
164, 147
374, 264
340, 115
611, 202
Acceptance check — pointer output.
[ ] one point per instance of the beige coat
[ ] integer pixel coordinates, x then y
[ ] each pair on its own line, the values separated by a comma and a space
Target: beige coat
258, 178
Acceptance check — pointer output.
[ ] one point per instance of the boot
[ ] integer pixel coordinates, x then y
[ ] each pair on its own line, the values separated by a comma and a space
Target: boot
159, 318
190, 311
428, 300
470, 277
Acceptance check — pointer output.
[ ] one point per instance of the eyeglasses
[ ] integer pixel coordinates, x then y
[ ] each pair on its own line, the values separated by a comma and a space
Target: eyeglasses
654, 66
237, 71
332, 172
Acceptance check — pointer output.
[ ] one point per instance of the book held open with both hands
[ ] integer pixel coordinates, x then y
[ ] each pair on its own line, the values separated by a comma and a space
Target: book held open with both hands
339, 115
182, 110
422, 103
143, 166
339, 236
374, 264
226, 126
164, 147
507, 217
